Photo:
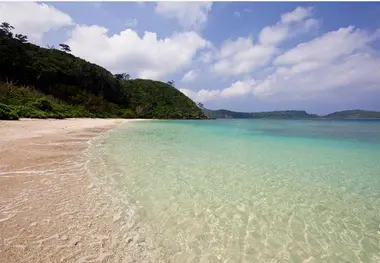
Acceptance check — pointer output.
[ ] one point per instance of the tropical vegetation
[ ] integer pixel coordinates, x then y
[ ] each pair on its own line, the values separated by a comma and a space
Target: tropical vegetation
42, 82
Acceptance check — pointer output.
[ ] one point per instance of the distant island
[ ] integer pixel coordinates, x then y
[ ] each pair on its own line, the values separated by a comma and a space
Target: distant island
291, 114
37, 82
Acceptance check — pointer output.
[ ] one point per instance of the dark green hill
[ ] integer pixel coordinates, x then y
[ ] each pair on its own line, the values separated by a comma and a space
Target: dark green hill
226, 114
74, 87
289, 114
354, 114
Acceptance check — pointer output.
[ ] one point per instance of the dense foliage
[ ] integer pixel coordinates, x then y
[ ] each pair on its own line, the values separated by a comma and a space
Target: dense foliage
75, 87
29, 103
154, 99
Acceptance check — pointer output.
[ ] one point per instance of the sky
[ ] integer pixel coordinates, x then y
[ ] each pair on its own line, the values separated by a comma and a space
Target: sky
242, 56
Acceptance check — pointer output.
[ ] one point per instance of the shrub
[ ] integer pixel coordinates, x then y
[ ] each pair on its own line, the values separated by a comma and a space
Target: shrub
8, 113
43, 104
127, 114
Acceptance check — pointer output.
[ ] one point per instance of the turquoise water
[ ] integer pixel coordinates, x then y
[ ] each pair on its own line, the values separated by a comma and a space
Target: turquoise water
250, 190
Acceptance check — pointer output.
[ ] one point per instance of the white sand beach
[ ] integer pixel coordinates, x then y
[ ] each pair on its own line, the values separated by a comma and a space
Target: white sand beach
49, 211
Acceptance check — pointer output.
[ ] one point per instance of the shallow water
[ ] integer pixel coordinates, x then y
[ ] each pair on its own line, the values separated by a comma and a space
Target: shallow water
248, 190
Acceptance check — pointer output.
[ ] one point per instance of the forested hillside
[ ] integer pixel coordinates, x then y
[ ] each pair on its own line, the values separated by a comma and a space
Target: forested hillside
47, 82
354, 114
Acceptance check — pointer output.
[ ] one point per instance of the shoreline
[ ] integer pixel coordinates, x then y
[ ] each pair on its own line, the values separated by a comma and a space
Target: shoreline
50, 211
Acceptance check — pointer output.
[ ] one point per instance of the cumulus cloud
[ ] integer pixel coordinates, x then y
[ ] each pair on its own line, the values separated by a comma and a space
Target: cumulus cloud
145, 57
237, 14
291, 23
190, 15
328, 47
132, 22
33, 19
242, 55
339, 61
272, 35
189, 76
201, 95
238, 88
297, 15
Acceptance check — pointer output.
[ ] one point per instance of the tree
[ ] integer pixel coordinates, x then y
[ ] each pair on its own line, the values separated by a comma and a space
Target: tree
22, 38
65, 47
122, 76
200, 105
171, 83
6, 29
50, 46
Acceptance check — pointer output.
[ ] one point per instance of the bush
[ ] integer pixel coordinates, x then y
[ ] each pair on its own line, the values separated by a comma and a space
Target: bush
30, 112
43, 104
7, 113
127, 114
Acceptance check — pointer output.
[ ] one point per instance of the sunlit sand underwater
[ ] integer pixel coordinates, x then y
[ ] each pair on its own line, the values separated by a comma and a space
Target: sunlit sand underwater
247, 190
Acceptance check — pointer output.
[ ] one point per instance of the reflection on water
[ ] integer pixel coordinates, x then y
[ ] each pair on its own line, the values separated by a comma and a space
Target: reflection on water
249, 190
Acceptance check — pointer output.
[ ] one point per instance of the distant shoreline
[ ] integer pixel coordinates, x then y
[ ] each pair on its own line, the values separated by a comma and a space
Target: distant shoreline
298, 119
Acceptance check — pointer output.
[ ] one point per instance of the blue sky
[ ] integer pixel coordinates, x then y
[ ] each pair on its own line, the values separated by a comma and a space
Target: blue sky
247, 56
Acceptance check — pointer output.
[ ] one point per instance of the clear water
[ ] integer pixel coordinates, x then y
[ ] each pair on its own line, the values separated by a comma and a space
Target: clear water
250, 190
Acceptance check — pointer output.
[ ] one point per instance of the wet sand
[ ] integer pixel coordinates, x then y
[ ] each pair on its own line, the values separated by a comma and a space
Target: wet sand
50, 211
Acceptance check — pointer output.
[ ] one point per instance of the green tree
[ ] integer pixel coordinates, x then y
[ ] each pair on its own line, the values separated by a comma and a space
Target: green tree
65, 47
6, 29
21, 38
122, 76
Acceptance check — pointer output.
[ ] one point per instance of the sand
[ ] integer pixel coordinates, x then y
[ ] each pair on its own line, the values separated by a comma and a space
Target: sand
50, 211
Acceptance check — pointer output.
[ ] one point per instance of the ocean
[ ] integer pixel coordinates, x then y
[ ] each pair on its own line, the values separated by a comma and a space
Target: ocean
247, 190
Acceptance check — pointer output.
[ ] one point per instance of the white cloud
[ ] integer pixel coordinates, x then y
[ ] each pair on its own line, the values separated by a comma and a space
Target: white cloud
189, 76
33, 19
237, 14
307, 80
206, 57
242, 55
297, 15
328, 47
247, 10
190, 15
272, 35
132, 22
202, 95
340, 61
145, 57
238, 88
